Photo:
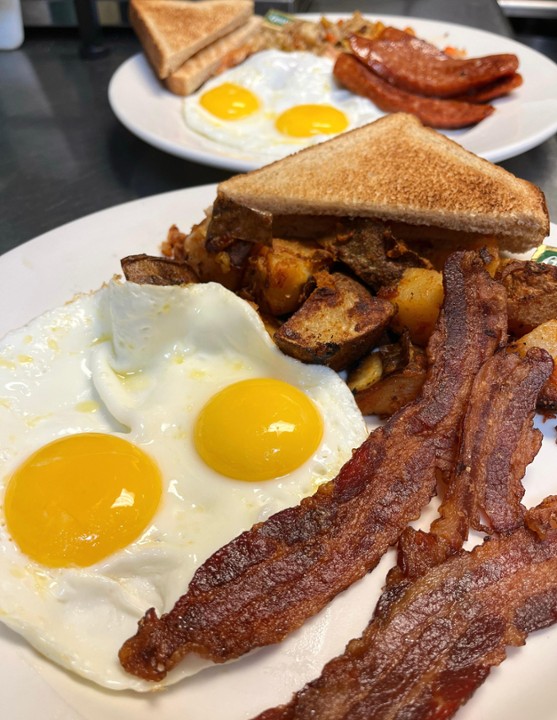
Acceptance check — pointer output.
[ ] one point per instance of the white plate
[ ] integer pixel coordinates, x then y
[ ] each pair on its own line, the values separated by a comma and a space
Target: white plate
79, 257
521, 121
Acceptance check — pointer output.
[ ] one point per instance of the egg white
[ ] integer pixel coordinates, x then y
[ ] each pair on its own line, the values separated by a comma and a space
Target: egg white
140, 362
280, 80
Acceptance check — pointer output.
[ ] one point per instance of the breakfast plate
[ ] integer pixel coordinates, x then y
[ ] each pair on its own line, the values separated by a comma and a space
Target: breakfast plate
79, 257
521, 121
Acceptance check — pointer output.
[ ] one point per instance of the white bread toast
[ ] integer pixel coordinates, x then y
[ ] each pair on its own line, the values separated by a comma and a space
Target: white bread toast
205, 63
398, 171
171, 31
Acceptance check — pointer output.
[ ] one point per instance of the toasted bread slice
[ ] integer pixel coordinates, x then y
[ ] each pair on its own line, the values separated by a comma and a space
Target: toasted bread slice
171, 31
201, 66
396, 170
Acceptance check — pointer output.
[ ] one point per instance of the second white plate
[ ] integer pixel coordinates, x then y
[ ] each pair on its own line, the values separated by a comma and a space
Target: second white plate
521, 121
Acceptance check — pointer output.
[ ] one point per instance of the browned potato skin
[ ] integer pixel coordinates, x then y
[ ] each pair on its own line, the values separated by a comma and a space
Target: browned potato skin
274, 275
338, 323
402, 370
543, 336
150, 270
277, 275
532, 294
417, 297
211, 267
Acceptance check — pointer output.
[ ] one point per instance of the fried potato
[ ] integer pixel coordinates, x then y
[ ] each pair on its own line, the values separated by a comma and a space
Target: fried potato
543, 336
388, 378
417, 297
532, 294
337, 324
278, 274
149, 270
222, 267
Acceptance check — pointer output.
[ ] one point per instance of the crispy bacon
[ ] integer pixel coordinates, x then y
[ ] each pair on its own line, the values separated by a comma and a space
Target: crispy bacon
433, 112
269, 580
433, 642
418, 67
498, 443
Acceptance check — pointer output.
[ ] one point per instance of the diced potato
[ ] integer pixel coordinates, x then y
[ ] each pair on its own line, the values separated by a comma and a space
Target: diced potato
531, 294
277, 274
388, 378
418, 297
216, 267
149, 270
544, 336
338, 323
367, 373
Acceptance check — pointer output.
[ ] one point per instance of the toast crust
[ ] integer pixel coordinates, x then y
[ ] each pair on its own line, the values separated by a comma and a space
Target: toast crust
396, 170
171, 31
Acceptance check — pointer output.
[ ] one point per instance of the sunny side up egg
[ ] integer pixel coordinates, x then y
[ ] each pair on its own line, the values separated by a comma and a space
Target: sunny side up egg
126, 418
275, 103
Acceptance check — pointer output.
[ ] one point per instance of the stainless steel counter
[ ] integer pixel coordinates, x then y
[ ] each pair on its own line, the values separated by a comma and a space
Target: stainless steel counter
63, 154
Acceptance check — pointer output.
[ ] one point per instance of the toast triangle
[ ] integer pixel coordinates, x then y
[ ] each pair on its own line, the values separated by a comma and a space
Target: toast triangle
171, 31
201, 66
397, 170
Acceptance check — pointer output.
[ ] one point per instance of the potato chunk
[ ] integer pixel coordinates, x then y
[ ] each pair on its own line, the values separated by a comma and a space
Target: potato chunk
388, 378
417, 297
532, 294
149, 270
338, 323
278, 274
223, 267
544, 336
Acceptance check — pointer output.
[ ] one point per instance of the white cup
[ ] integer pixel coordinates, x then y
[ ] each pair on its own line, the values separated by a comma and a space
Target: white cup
11, 24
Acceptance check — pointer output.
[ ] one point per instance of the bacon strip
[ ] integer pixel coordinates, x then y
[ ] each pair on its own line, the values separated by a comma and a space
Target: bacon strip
448, 114
431, 645
269, 580
418, 67
498, 443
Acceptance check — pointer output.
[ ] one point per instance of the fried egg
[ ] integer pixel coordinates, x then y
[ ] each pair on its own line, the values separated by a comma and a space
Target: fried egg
142, 428
275, 103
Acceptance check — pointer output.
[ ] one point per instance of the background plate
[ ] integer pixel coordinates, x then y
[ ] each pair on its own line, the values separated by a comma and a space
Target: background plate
80, 256
522, 120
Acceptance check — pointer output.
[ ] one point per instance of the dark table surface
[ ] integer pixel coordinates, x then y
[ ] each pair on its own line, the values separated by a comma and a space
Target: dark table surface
63, 154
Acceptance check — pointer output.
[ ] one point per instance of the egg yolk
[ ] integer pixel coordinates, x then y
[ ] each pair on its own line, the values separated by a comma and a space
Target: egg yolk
80, 498
307, 120
229, 102
258, 429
